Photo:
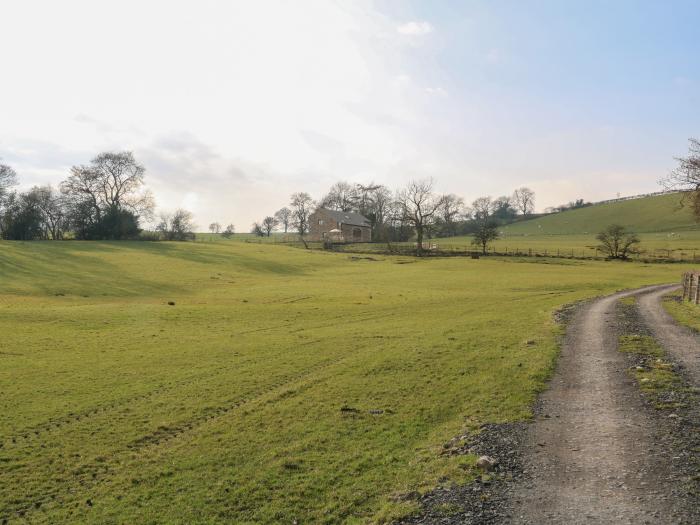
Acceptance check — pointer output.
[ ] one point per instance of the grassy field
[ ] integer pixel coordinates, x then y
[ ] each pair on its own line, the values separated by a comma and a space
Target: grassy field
661, 213
282, 384
666, 231
685, 245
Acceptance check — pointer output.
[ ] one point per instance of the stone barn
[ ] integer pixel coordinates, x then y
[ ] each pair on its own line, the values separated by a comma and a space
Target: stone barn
339, 226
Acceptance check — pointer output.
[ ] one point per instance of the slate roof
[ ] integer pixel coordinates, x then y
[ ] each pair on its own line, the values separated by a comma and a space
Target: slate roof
348, 217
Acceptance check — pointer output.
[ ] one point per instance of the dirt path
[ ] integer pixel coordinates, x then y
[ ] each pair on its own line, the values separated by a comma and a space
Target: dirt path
680, 342
595, 453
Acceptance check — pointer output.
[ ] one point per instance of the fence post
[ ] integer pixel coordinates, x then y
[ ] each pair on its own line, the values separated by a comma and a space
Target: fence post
697, 289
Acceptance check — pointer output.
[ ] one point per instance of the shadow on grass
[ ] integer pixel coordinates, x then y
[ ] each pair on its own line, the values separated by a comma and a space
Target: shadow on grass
108, 269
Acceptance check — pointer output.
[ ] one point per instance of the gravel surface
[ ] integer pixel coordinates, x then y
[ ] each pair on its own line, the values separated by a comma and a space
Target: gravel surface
597, 450
679, 341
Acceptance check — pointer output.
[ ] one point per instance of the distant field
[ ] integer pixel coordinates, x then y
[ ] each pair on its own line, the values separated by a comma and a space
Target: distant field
282, 384
676, 245
665, 230
661, 213
246, 237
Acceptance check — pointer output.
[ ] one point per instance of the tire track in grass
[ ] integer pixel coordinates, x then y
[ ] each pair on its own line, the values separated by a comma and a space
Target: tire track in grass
37, 431
99, 470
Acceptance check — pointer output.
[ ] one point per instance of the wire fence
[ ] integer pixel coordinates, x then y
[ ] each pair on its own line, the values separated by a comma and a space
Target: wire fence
584, 253
434, 248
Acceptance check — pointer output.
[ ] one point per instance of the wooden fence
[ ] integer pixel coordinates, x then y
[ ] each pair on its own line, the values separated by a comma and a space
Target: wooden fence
691, 287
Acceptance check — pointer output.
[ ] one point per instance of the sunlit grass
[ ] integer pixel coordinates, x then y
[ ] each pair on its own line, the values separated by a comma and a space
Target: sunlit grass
282, 384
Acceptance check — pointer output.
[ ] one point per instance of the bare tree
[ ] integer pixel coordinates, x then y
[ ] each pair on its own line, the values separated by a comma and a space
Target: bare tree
268, 224
452, 209
178, 226
257, 229
215, 227
486, 231
419, 206
112, 181
229, 231
284, 217
524, 200
482, 208
301, 205
8, 178
381, 208
53, 210
341, 197
617, 242
686, 177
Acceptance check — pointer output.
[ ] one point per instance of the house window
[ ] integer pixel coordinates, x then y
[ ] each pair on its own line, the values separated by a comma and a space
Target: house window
320, 222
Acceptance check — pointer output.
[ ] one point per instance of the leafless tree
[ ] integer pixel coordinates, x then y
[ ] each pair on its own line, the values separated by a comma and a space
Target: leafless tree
229, 231
686, 177
53, 209
419, 206
524, 200
617, 242
341, 197
301, 205
8, 178
257, 229
451, 210
178, 226
284, 217
111, 180
486, 231
482, 208
268, 224
215, 227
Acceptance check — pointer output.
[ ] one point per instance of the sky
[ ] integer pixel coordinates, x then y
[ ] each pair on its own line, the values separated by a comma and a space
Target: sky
233, 105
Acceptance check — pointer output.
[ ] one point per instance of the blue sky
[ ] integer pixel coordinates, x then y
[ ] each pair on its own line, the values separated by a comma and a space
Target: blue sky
234, 105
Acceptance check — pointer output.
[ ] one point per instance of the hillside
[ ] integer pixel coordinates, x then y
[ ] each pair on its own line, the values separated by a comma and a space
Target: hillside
660, 213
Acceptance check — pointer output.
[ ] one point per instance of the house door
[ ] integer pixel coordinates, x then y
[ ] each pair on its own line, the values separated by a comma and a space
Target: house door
356, 234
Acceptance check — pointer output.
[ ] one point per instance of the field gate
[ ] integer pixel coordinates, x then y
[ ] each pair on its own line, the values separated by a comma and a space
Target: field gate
691, 287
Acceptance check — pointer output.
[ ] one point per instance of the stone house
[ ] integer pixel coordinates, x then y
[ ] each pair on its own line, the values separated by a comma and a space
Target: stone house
340, 226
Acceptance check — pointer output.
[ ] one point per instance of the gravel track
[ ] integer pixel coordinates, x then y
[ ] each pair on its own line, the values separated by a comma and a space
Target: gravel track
597, 451
679, 341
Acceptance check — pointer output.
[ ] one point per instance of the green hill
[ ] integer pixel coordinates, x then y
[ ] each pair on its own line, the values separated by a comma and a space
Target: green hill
661, 213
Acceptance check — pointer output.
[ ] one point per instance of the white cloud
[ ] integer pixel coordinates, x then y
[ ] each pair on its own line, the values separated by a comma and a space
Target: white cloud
415, 28
234, 105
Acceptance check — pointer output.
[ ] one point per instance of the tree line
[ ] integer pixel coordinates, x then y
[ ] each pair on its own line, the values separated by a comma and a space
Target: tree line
415, 210
103, 200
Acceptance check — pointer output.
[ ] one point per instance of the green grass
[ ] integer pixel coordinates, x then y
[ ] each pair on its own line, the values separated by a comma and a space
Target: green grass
275, 237
683, 246
661, 213
684, 312
666, 230
227, 407
655, 377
